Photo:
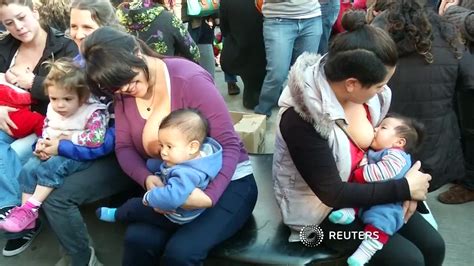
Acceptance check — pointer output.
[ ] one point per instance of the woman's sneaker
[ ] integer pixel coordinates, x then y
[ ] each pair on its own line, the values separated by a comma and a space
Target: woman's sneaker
17, 245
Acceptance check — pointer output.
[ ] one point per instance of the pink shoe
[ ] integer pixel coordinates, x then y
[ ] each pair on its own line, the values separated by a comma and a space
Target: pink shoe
20, 219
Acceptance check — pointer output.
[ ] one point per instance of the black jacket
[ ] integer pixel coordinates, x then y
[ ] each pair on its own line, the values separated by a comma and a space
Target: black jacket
242, 29
427, 92
56, 46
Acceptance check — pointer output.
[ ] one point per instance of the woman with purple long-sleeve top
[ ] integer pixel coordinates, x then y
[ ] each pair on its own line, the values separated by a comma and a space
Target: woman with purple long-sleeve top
147, 88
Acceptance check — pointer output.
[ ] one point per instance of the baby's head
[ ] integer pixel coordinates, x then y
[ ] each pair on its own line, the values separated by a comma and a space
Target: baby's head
181, 135
65, 86
397, 131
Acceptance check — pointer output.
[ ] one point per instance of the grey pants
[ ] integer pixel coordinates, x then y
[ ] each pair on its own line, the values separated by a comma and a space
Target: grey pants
101, 180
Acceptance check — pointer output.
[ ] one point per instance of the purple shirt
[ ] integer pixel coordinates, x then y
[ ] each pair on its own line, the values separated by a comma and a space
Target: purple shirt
191, 87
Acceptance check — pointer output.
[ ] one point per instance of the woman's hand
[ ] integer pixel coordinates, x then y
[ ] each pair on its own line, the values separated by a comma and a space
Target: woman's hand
153, 181
409, 208
418, 182
197, 200
5, 121
445, 4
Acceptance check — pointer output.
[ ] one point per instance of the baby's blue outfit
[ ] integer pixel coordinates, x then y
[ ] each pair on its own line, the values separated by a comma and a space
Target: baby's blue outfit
386, 217
180, 180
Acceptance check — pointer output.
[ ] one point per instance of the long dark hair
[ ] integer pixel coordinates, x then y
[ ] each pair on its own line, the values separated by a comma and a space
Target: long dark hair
110, 57
412, 27
362, 52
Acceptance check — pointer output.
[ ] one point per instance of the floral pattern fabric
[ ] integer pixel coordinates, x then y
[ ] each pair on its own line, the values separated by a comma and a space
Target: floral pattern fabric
159, 28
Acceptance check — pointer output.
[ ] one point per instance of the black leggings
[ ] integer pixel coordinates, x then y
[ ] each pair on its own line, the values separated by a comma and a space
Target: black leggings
416, 243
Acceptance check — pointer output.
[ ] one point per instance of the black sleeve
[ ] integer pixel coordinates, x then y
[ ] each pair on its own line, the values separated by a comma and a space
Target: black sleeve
313, 158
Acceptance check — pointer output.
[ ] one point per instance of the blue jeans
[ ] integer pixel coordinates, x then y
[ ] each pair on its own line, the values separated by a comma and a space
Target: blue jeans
329, 12
285, 40
49, 173
230, 78
10, 166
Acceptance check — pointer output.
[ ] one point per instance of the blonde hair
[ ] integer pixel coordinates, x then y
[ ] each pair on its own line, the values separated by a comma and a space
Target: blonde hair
54, 13
67, 75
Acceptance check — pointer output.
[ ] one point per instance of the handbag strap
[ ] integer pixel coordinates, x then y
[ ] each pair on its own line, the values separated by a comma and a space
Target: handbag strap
340, 123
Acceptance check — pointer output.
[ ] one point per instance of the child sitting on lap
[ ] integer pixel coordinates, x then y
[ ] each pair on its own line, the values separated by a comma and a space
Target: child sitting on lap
72, 115
190, 160
387, 159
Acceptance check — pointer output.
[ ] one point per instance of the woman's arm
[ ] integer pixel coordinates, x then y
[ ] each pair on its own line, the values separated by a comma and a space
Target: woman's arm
132, 163
204, 96
184, 43
313, 158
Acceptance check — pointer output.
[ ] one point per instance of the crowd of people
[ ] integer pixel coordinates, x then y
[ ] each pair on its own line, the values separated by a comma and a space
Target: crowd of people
123, 98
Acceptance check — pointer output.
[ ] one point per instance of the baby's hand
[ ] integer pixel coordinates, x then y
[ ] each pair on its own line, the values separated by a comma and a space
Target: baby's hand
363, 161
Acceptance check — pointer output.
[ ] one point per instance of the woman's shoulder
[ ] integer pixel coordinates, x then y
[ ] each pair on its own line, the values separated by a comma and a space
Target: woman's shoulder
58, 42
184, 68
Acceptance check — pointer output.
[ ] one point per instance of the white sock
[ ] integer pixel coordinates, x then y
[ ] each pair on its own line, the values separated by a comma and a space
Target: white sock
365, 252
342, 216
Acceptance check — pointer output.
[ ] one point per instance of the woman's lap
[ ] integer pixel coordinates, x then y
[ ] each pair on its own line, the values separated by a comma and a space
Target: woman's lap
192, 242
417, 243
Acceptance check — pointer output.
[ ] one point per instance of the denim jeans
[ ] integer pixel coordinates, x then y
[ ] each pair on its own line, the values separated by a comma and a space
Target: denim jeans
102, 179
329, 12
10, 166
230, 78
285, 40
49, 173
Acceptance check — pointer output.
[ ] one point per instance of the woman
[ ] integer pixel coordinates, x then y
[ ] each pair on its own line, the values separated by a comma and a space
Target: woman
433, 65
243, 50
327, 118
461, 13
146, 89
22, 53
103, 179
157, 27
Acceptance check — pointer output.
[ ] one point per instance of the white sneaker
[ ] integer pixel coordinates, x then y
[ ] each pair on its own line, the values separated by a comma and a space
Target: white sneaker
93, 261
66, 260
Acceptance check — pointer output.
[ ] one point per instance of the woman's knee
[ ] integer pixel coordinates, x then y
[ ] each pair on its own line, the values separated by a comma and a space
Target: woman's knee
434, 250
178, 253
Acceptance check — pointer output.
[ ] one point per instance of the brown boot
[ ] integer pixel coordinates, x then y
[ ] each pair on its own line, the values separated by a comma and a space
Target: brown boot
232, 88
457, 194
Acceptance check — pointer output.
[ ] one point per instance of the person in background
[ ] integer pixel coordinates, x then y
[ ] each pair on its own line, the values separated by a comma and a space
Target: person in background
158, 28
53, 13
243, 51
461, 13
22, 52
289, 29
329, 13
433, 65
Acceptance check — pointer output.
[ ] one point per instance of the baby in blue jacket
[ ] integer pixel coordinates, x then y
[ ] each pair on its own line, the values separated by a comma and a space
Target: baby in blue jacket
190, 160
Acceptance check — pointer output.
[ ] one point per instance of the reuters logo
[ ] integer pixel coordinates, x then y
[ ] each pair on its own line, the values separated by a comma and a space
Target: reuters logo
311, 235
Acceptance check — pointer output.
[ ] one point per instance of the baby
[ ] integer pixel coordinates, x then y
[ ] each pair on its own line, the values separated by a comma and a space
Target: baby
190, 160
388, 158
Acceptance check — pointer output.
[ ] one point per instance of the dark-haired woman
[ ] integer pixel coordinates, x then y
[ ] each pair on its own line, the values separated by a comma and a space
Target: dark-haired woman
326, 121
433, 65
146, 89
